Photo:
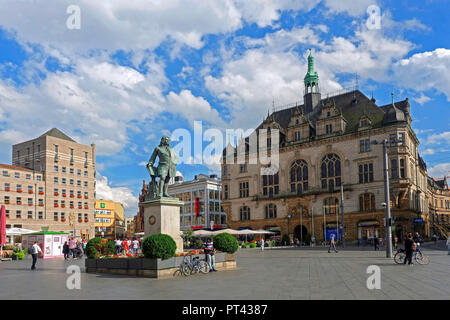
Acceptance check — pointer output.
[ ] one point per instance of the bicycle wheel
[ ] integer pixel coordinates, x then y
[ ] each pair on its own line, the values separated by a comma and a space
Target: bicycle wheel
185, 269
203, 266
399, 257
418, 256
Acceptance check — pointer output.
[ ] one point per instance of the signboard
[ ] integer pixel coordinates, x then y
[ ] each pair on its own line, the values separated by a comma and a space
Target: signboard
329, 232
102, 205
418, 220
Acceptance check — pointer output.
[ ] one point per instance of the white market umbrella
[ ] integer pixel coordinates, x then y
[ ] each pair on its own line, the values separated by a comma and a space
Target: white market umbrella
200, 233
230, 231
18, 231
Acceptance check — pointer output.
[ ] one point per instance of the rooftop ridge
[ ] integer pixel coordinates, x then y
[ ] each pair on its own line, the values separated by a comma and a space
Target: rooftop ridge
327, 95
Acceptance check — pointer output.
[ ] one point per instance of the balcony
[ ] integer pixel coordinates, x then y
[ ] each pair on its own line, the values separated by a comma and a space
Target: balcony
41, 192
56, 205
30, 204
86, 207
19, 190
40, 204
19, 202
30, 191
7, 189
72, 196
56, 194
64, 195
6, 201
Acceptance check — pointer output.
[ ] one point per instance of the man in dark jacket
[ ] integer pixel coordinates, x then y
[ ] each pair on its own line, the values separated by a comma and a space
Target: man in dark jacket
66, 250
409, 248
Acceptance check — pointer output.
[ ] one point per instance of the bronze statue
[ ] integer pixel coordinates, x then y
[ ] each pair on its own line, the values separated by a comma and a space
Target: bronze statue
166, 169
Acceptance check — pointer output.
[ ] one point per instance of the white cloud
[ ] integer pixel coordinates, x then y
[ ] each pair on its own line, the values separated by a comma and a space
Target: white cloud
422, 99
351, 7
440, 170
439, 138
425, 70
124, 195
428, 152
192, 107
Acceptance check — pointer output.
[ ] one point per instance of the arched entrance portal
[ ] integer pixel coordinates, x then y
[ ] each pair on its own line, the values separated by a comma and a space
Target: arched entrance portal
300, 233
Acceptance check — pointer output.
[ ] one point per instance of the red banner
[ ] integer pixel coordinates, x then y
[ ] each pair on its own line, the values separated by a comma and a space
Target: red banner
197, 207
2, 226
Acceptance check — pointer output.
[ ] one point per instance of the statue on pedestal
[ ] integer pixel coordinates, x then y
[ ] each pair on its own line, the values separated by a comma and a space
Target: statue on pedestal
166, 169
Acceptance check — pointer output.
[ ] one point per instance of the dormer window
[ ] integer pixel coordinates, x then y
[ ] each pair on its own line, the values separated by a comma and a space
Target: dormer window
297, 135
329, 128
364, 123
296, 121
328, 113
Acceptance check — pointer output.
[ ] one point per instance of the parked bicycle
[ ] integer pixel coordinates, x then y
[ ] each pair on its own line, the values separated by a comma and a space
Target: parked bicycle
418, 256
193, 265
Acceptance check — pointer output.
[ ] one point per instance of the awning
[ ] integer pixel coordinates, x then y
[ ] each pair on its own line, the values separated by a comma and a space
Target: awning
18, 231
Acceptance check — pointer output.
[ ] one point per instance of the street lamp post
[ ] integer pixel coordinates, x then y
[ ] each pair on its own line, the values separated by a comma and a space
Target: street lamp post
386, 198
301, 226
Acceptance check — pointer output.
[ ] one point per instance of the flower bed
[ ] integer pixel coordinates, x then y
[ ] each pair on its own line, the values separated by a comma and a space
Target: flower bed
139, 266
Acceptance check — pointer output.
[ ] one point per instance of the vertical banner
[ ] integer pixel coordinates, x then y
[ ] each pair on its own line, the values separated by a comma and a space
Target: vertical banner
197, 207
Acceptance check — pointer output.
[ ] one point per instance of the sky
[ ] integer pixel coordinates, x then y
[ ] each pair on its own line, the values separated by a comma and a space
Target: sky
121, 74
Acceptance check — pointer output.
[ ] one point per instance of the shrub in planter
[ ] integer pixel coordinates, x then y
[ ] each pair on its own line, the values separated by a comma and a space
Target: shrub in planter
252, 245
97, 247
159, 246
225, 242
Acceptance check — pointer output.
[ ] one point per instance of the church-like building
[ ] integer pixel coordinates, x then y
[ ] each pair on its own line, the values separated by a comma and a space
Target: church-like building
324, 143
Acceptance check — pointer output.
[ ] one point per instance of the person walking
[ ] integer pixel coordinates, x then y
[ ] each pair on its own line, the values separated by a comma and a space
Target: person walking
332, 244
448, 243
209, 251
135, 246
35, 249
313, 241
66, 250
118, 245
125, 246
72, 247
262, 244
410, 246
375, 243
395, 240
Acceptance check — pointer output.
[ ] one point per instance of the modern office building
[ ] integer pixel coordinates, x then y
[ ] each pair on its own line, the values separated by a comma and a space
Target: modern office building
50, 185
109, 219
204, 193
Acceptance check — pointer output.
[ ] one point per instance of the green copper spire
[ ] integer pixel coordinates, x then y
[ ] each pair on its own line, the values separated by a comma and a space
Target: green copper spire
311, 77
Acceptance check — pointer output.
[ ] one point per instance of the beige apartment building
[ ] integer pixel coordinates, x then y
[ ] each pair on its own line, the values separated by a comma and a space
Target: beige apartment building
51, 184
326, 143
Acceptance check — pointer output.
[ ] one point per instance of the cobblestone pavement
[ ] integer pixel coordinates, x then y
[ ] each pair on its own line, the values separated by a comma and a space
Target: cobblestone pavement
282, 273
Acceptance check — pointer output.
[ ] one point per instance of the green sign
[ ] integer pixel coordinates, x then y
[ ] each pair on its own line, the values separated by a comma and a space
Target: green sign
102, 205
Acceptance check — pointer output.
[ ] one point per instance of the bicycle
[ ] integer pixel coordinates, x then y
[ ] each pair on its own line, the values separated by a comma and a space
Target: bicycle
190, 266
418, 256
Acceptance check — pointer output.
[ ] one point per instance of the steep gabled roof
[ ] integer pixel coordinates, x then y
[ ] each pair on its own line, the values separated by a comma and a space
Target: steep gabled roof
57, 134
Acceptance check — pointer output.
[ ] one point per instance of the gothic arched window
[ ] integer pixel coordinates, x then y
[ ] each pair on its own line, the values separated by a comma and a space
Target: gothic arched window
299, 176
330, 171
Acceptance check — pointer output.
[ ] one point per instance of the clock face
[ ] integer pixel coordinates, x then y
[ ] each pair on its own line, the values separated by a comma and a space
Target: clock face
152, 220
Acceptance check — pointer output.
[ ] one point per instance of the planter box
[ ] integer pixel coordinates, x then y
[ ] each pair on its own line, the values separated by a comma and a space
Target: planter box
152, 268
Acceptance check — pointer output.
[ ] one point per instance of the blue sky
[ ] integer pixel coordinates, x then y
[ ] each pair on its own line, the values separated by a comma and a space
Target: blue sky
138, 69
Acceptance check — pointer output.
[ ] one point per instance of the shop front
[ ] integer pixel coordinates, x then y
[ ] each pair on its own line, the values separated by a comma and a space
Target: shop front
368, 230
51, 243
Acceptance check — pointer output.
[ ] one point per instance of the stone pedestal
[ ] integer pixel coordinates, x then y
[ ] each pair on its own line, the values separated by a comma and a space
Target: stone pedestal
163, 216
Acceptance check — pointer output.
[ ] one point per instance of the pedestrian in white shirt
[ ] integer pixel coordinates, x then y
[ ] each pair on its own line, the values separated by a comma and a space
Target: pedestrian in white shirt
135, 246
262, 244
118, 245
35, 249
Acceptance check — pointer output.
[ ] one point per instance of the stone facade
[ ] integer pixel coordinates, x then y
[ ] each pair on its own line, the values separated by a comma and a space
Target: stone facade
321, 148
65, 201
